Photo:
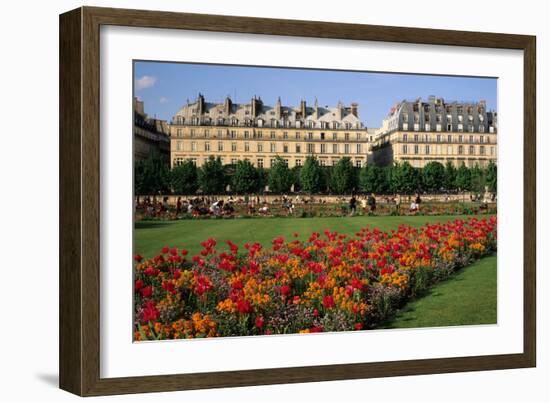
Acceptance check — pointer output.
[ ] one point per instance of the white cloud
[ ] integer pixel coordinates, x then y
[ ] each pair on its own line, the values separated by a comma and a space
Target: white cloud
145, 82
163, 100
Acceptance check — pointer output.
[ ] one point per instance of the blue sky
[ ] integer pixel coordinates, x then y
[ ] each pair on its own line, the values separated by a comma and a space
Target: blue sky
165, 87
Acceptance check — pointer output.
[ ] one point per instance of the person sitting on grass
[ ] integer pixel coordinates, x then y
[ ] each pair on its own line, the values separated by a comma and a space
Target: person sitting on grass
264, 209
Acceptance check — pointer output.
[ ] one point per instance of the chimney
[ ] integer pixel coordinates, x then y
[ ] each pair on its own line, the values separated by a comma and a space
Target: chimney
227, 106
303, 109
316, 110
355, 109
200, 104
278, 108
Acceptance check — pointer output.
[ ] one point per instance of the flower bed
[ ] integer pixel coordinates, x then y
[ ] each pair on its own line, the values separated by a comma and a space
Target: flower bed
331, 282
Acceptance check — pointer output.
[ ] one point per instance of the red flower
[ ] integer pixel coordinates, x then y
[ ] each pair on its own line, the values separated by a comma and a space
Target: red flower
151, 271
358, 326
259, 322
146, 292
243, 306
328, 301
285, 289
316, 329
139, 285
174, 251
150, 312
138, 258
169, 286
184, 252
165, 249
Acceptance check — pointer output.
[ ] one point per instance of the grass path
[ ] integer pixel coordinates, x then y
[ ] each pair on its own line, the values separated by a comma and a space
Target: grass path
151, 236
469, 297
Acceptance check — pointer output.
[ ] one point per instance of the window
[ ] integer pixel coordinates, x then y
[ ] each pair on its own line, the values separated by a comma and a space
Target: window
285, 135
311, 148
298, 162
481, 150
334, 136
481, 128
449, 138
286, 161
179, 133
179, 145
322, 162
220, 133
310, 136
272, 147
416, 148
438, 138
192, 132
260, 163
405, 149
233, 147
298, 136
358, 136
346, 148
272, 135
460, 138
206, 146
405, 137
323, 148
272, 162
193, 146
346, 136
427, 150
322, 136
246, 134
178, 161
233, 134
260, 134
416, 138
260, 147
220, 145
428, 127
358, 163
285, 148
246, 147
358, 148
471, 150
449, 150
206, 133
471, 139
193, 161
335, 148
481, 139
471, 128
460, 150
460, 127
405, 126
298, 148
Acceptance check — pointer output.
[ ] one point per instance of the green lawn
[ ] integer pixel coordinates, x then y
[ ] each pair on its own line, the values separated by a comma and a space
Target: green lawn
151, 236
467, 298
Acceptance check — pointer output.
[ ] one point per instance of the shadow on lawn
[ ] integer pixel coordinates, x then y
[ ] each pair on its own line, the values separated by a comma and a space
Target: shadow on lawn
150, 224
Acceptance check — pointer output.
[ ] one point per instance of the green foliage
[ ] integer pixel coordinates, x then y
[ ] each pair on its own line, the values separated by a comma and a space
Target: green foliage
449, 181
184, 178
491, 176
433, 176
374, 179
212, 176
246, 178
280, 178
462, 180
405, 178
311, 176
343, 178
477, 179
151, 175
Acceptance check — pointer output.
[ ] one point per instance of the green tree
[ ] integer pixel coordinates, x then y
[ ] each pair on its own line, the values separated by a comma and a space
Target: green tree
462, 180
477, 179
374, 179
449, 183
212, 176
246, 178
311, 176
184, 178
491, 176
152, 175
405, 178
280, 178
433, 176
343, 178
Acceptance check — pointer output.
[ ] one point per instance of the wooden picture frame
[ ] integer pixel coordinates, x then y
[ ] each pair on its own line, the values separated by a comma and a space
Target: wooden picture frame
80, 196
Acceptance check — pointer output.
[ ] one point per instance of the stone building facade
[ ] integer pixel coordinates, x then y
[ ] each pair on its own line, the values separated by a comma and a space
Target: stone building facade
434, 130
150, 134
259, 133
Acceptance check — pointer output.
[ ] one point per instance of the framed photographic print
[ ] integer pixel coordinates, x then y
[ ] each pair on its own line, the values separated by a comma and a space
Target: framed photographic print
250, 201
